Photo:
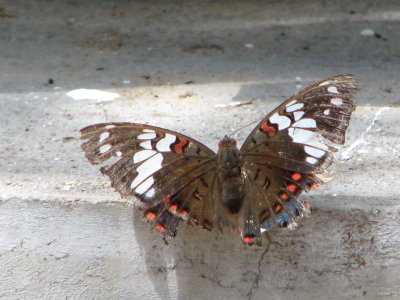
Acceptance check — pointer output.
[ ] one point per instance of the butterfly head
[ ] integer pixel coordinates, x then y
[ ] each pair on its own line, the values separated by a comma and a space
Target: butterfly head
227, 142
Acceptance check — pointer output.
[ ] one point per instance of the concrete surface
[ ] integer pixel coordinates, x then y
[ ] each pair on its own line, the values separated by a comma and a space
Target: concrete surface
66, 235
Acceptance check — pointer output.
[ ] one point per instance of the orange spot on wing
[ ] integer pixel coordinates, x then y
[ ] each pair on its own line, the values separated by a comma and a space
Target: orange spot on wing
160, 228
173, 207
271, 131
183, 213
313, 186
296, 176
292, 188
284, 196
277, 208
248, 240
151, 216
180, 145
167, 200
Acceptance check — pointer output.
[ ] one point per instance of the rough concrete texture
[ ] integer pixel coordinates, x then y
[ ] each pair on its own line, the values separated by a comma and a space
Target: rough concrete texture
65, 234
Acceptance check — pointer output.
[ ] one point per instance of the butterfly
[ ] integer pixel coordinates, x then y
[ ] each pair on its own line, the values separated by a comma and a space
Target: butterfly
174, 178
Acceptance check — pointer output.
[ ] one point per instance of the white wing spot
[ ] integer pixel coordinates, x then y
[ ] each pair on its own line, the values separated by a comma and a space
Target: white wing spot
148, 130
291, 103
318, 153
142, 155
146, 136
146, 145
306, 123
149, 167
118, 153
295, 107
105, 148
327, 112
144, 186
336, 101
104, 136
298, 115
282, 121
318, 145
150, 193
325, 83
333, 89
299, 135
164, 144
311, 160
110, 126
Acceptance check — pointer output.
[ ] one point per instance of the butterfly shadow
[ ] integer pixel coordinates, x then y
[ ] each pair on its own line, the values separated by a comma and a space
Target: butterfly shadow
200, 257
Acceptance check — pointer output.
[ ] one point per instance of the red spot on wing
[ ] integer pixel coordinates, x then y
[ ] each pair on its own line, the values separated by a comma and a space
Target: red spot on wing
167, 200
183, 213
179, 145
173, 207
296, 176
271, 131
292, 188
151, 216
160, 228
284, 196
248, 240
313, 186
277, 208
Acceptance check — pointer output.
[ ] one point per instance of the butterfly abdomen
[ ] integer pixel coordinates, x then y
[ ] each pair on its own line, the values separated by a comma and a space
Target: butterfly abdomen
229, 161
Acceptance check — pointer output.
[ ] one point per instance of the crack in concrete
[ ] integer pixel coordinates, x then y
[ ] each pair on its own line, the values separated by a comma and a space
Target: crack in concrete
258, 275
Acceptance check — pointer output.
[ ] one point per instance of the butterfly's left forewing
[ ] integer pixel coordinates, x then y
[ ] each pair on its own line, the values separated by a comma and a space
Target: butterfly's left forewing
287, 149
171, 174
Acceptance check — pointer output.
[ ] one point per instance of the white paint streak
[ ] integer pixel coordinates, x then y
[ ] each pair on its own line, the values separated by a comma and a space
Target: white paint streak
148, 130
346, 155
143, 155
90, 94
336, 101
318, 153
146, 169
109, 126
298, 115
282, 121
295, 107
104, 148
333, 89
164, 144
311, 160
146, 136
104, 136
306, 123
146, 145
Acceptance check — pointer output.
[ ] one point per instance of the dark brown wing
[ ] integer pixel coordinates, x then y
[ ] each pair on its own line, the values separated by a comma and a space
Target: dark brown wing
172, 175
285, 150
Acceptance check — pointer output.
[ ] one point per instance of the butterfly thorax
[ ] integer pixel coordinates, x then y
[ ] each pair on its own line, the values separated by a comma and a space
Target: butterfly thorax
229, 162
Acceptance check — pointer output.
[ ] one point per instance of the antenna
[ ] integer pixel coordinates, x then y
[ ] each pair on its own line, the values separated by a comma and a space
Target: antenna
240, 128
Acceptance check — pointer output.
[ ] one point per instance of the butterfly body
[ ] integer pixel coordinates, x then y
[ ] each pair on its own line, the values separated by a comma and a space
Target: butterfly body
250, 190
229, 164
